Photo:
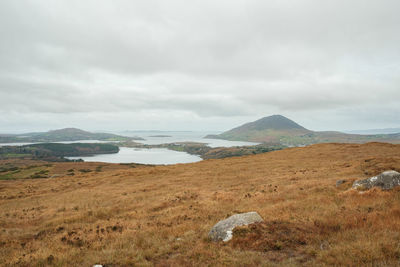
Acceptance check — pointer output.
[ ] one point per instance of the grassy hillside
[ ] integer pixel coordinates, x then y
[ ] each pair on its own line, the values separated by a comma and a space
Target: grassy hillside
278, 129
145, 216
67, 134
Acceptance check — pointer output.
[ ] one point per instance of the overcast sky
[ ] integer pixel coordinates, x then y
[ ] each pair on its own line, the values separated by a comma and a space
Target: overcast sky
198, 65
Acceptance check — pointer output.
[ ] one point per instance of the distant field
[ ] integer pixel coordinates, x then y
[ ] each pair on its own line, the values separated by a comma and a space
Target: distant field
126, 214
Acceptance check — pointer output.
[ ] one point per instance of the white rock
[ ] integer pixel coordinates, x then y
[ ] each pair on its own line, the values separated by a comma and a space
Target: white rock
386, 180
223, 230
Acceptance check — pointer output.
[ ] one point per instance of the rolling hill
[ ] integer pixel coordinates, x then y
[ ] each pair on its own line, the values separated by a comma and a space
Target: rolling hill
278, 129
66, 134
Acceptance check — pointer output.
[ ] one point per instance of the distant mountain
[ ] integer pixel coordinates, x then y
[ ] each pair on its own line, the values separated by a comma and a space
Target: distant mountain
67, 134
278, 129
268, 129
274, 122
375, 131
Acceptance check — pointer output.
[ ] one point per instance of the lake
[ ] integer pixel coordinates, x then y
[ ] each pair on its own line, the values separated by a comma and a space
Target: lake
143, 156
155, 155
165, 137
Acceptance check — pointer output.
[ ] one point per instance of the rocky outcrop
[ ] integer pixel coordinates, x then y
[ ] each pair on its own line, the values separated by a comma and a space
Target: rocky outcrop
386, 180
223, 229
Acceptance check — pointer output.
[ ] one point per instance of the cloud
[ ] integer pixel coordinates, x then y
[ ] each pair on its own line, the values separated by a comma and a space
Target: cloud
200, 61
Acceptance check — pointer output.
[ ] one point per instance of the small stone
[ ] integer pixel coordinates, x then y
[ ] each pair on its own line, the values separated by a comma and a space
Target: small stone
324, 245
339, 182
223, 229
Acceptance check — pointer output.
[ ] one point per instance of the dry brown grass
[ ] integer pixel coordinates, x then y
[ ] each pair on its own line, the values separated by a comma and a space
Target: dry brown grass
161, 215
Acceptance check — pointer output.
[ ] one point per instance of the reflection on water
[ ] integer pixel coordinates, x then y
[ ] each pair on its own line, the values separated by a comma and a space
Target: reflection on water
143, 156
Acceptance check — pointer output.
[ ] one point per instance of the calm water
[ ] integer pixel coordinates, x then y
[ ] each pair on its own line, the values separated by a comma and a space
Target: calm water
174, 137
144, 156
155, 155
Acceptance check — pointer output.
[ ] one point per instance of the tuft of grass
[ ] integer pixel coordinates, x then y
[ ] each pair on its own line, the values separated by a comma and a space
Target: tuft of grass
85, 170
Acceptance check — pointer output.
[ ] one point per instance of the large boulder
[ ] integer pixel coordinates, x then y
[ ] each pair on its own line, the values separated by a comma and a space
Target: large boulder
223, 229
386, 180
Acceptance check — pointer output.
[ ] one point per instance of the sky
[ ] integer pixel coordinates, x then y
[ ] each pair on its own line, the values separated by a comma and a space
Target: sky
198, 65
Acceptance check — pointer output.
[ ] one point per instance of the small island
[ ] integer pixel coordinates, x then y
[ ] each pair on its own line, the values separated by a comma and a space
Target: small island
56, 151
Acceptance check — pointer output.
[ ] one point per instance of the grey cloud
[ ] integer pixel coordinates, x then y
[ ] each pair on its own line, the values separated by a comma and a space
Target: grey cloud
202, 59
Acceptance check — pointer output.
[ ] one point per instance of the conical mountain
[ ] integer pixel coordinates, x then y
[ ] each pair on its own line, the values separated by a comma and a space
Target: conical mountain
269, 129
274, 122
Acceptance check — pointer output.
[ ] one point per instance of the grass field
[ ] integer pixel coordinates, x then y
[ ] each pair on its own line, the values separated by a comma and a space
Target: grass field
122, 215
